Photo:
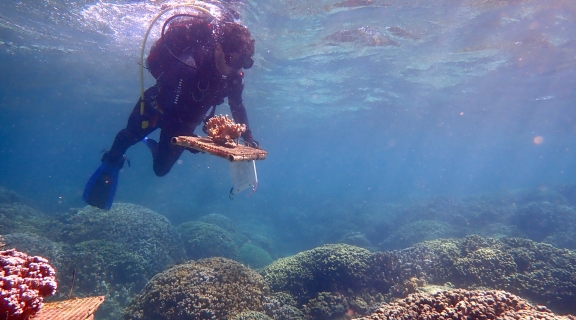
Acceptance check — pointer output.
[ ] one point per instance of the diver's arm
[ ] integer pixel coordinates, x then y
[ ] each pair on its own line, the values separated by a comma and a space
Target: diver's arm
237, 106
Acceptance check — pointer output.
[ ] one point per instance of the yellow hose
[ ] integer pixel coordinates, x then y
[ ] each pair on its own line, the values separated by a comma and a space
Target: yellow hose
190, 4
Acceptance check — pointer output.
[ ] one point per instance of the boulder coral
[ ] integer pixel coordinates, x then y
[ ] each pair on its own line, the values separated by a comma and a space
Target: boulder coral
539, 220
419, 231
18, 217
254, 256
462, 304
327, 268
252, 315
331, 281
141, 231
214, 288
538, 271
205, 240
220, 220
282, 306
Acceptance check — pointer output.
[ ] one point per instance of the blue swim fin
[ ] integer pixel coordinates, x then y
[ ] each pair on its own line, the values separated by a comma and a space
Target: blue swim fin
101, 187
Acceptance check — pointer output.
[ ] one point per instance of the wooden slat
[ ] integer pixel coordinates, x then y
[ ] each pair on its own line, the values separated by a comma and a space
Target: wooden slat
238, 153
73, 309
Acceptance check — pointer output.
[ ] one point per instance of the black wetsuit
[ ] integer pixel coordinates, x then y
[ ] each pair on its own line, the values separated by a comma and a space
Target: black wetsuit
177, 104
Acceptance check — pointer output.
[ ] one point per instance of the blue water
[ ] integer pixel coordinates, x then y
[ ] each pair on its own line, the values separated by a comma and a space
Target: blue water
479, 101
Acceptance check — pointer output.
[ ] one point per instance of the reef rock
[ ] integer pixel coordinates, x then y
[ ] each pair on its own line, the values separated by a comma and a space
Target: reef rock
214, 288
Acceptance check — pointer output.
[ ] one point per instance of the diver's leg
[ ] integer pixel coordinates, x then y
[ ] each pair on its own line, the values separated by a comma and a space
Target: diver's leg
134, 131
167, 153
101, 186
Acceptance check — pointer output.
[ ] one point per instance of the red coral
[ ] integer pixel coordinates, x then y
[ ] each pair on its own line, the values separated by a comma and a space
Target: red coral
24, 282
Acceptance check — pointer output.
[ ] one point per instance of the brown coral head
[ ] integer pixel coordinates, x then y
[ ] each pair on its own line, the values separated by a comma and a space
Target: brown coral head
223, 129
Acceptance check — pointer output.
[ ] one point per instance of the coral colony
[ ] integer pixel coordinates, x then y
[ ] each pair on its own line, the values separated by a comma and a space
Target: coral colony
24, 282
223, 130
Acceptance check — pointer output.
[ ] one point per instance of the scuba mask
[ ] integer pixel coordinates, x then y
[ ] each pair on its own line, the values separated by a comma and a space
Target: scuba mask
238, 60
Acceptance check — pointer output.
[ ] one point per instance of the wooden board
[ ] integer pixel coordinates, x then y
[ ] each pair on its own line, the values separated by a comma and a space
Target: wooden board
238, 153
73, 309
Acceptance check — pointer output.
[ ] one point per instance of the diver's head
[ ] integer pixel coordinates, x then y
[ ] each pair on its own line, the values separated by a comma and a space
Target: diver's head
237, 45
184, 37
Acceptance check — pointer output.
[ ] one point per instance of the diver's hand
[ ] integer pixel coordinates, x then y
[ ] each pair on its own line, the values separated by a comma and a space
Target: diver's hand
252, 143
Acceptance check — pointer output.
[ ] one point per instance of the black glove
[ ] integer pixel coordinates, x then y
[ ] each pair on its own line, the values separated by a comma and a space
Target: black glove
252, 143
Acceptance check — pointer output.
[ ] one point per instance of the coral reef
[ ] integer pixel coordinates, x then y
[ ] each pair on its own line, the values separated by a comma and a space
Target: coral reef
223, 130
263, 242
324, 269
357, 239
96, 267
563, 239
462, 304
252, 315
36, 245
9, 197
327, 306
24, 283
205, 240
537, 271
214, 288
220, 220
19, 217
542, 194
400, 272
539, 220
419, 231
254, 256
104, 268
143, 232
331, 281
281, 306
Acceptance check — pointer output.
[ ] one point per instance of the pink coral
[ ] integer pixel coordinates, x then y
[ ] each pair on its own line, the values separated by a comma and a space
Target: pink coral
24, 282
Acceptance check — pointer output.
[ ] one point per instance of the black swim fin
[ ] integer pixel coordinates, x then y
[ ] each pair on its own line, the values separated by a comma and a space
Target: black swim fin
101, 187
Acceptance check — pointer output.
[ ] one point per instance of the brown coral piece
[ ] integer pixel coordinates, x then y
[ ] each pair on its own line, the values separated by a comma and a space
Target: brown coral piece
462, 304
224, 131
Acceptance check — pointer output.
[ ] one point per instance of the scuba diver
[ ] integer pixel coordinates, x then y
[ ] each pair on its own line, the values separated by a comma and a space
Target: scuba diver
197, 62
